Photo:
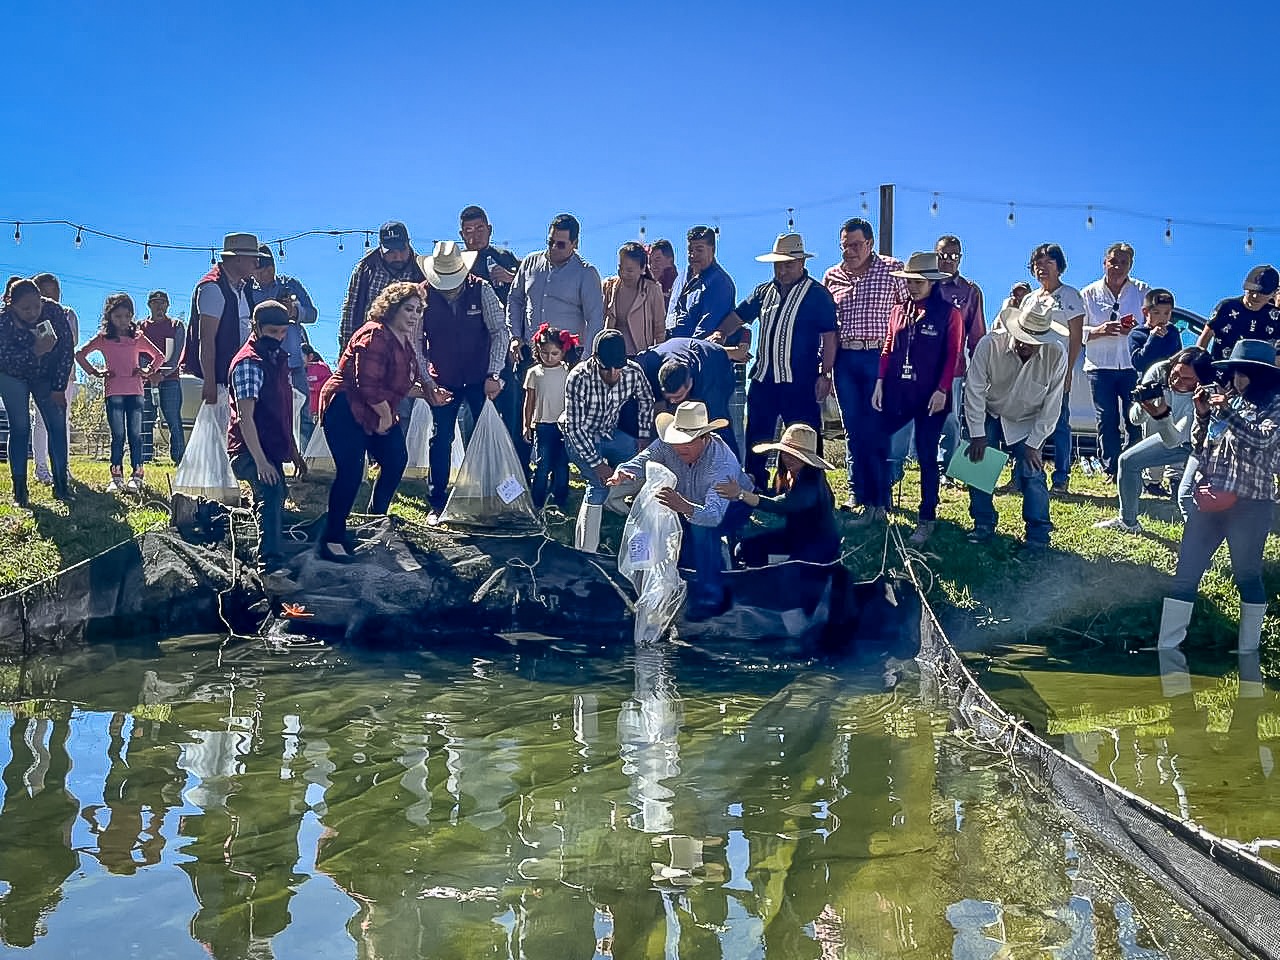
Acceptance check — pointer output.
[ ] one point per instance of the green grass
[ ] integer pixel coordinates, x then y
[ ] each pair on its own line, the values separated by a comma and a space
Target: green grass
1094, 588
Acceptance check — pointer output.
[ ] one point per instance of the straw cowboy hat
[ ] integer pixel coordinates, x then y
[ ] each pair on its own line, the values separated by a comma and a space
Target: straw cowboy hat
788, 246
240, 245
801, 441
921, 266
1032, 323
448, 265
688, 423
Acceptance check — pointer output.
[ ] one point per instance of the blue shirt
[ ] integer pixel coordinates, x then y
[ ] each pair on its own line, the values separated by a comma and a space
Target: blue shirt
280, 290
696, 482
704, 301
1146, 350
709, 366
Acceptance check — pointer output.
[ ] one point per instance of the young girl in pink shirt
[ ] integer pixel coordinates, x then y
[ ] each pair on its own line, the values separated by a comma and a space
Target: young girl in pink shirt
122, 345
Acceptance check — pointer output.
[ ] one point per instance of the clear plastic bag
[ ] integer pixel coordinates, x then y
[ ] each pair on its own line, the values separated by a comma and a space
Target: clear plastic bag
317, 456
490, 489
299, 401
650, 556
205, 470
417, 439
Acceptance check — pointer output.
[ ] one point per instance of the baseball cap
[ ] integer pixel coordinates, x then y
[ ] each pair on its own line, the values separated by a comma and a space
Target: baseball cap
155, 295
265, 255
1263, 279
271, 313
611, 349
394, 235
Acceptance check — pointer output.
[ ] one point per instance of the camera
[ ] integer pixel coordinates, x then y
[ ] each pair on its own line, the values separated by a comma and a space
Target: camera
1148, 392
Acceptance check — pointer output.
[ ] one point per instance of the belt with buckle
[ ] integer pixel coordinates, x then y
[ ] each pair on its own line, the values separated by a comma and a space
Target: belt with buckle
851, 344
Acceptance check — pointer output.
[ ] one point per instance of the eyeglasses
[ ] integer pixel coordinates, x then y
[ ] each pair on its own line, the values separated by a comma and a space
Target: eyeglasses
557, 244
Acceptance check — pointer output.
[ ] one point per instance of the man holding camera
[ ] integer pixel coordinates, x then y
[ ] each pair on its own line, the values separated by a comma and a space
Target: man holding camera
1112, 306
1164, 400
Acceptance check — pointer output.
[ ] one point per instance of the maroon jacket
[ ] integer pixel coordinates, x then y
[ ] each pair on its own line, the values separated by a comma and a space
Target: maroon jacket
273, 414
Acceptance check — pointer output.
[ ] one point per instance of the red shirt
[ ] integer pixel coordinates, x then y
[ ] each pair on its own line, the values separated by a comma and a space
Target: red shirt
318, 373
376, 366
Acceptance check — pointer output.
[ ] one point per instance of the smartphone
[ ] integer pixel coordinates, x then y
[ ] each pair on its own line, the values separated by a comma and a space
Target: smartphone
1128, 321
44, 328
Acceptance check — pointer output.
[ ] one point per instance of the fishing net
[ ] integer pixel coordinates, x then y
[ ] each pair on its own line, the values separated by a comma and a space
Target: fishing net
650, 555
490, 491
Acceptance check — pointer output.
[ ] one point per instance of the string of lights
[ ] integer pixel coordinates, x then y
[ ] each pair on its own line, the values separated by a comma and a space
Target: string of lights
936, 197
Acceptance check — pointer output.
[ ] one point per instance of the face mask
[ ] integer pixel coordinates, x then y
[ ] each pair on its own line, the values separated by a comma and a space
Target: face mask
268, 346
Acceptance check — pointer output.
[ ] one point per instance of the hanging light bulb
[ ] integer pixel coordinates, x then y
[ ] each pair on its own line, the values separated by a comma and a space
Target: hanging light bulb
280, 250
79, 237
717, 219
1010, 219
933, 207
339, 243
146, 254
642, 219
865, 209
791, 219
213, 258
1168, 232
367, 244
17, 233
1248, 242
1088, 221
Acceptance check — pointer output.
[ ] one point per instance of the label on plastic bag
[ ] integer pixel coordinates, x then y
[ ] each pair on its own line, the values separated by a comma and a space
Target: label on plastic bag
509, 489
640, 550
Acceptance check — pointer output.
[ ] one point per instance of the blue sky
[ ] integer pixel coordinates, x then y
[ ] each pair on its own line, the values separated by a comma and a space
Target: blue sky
168, 122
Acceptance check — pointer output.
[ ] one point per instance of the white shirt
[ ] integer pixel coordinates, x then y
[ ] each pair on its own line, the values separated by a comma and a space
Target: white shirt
1110, 353
210, 303
1027, 397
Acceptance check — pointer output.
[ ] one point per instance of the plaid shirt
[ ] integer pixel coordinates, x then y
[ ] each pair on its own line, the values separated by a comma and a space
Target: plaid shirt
591, 407
863, 303
246, 380
376, 366
1243, 457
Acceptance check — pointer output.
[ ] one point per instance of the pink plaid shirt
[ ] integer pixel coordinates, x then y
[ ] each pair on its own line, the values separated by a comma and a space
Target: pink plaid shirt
863, 304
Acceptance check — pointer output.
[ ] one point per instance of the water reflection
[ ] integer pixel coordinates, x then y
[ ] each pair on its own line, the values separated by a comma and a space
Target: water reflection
437, 805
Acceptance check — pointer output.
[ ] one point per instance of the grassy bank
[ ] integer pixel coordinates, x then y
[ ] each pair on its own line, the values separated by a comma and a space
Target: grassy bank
1094, 588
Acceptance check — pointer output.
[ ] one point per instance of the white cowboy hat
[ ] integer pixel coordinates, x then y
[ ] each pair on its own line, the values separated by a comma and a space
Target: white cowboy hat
921, 266
1032, 322
788, 246
688, 423
801, 441
240, 245
448, 265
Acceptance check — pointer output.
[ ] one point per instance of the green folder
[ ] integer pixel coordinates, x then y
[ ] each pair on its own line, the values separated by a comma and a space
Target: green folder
984, 474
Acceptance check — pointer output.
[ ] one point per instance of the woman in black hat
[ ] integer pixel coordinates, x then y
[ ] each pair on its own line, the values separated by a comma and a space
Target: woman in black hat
1236, 440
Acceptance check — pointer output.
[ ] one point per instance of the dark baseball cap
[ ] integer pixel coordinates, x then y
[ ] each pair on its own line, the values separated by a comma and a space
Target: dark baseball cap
271, 313
394, 235
611, 349
155, 295
265, 255
1263, 279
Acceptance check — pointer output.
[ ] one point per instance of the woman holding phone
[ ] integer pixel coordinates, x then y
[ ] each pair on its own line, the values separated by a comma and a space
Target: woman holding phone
36, 349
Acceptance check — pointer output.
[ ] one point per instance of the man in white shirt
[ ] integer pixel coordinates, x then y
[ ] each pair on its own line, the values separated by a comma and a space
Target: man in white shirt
1112, 307
1048, 264
1012, 396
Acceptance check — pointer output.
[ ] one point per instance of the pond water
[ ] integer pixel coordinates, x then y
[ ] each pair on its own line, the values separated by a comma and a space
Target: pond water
526, 798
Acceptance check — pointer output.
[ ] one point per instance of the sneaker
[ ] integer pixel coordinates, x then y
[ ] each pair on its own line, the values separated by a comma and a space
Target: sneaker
116, 485
922, 532
1031, 549
1117, 523
133, 484
44, 476
1060, 489
433, 519
980, 535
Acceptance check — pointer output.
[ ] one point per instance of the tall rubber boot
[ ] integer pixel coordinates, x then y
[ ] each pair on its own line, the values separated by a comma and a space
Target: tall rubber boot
1175, 616
586, 535
1250, 627
1175, 678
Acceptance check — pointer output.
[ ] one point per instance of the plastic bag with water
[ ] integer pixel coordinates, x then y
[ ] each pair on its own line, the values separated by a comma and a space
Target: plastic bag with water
317, 456
205, 470
418, 440
650, 556
490, 489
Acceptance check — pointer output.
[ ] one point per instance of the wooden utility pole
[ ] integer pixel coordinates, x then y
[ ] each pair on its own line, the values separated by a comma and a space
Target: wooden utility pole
886, 219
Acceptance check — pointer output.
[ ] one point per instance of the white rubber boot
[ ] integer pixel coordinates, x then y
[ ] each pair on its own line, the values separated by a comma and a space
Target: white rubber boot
1250, 627
586, 535
1175, 616
1175, 678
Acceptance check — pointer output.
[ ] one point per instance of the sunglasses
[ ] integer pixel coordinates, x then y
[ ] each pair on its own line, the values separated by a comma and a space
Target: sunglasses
1115, 312
557, 244
950, 256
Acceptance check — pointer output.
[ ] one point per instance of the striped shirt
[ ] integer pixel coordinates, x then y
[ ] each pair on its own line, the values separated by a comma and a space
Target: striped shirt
863, 302
591, 407
791, 329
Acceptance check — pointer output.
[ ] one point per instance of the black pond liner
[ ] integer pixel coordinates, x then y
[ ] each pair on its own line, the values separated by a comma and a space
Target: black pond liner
1218, 881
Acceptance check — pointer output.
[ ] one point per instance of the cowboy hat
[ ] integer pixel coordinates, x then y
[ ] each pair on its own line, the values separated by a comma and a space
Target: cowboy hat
801, 441
788, 246
240, 245
921, 266
688, 423
1250, 356
1032, 322
448, 265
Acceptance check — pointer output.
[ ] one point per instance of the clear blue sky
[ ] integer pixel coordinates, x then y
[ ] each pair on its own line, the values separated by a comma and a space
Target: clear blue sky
166, 122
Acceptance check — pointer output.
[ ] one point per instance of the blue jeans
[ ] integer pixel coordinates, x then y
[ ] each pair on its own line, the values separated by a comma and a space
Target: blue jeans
550, 465
615, 448
14, 394
444, 419
124, 417
170, 393
348, 444
1187, 487
927, 430
1028, 481
951, 429
306, 426
1110, 390
1143, 455
1061, 438
1245, 527
701, 552
901, 442
268, 503
856, 372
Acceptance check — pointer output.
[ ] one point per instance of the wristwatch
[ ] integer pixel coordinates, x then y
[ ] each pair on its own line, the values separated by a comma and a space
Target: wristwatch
495, 376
